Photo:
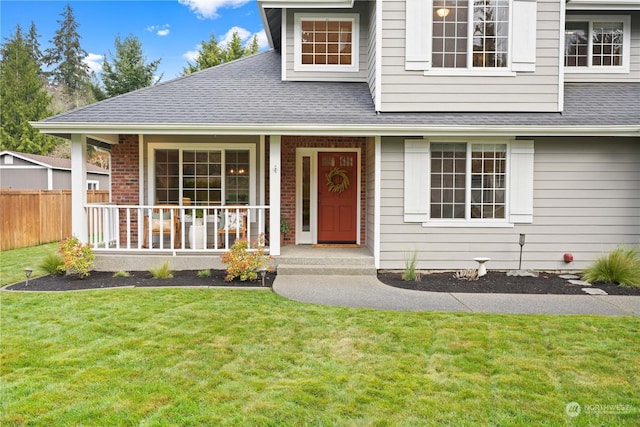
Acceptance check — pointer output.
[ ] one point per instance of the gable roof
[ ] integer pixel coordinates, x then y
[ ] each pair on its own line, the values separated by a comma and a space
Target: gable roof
52, 162
248, 96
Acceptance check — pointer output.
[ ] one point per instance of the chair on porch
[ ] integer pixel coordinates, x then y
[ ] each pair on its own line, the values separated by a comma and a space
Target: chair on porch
165, 220
232, 222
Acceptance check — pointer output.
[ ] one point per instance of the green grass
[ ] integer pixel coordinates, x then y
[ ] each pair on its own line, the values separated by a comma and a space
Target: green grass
160, 357
14, 261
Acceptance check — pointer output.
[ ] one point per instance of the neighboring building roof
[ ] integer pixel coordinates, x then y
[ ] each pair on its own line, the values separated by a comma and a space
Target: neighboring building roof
248, 94
52, 162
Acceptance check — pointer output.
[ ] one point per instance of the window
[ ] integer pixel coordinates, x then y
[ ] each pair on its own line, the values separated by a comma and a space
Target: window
328, 42
468, 181
482, 182
206, 177
471, 37
596, 44
470, 34
93, 185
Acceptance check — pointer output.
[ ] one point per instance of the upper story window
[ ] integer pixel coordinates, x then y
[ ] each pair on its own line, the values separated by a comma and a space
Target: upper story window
597, 44
326, 42
471, 37
470, 34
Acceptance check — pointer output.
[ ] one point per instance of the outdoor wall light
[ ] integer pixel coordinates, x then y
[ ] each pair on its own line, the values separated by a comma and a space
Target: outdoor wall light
27, 273
521, 242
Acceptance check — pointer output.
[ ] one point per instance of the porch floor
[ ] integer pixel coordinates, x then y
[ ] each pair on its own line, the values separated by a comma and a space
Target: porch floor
306, 255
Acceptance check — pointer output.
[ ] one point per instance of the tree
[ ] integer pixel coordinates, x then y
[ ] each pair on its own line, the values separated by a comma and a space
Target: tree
23, 97
67, 55
34, 46
211, 54
127, 70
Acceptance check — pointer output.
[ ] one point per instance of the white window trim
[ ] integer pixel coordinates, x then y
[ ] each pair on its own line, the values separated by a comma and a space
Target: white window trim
151, 155
93, 182
521, 55
418, 197
626, 45
355, 40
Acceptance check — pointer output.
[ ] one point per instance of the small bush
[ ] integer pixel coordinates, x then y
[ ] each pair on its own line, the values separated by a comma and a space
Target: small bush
410, 264
52, 264
77, 258
204, 273
121, 274
243, 262
162, 272
621, 266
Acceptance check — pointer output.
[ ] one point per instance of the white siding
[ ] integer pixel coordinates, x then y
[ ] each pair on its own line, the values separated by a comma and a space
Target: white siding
370, 167
586, 202
362, 8
526, 91
371, 51
634, 64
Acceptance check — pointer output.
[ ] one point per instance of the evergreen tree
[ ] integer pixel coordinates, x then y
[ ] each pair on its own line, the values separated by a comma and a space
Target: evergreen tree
127, 70
211, 54
34, 45
68, 55
23, 97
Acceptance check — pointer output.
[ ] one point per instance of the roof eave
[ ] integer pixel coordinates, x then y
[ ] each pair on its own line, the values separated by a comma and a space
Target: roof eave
114, 129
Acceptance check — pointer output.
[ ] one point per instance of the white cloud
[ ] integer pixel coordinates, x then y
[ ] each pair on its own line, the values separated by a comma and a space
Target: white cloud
263, 41
160, 30
209, 8
242, 32
94, 61
191, 55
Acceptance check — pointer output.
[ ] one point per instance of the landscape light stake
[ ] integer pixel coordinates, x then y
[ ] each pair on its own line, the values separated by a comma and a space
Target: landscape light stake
263, 272
521, 241
27, 273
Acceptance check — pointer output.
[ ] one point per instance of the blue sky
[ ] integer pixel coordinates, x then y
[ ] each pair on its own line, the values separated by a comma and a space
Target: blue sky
170, 30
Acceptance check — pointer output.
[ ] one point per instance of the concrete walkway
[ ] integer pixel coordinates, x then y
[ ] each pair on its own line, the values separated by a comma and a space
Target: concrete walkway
369, 292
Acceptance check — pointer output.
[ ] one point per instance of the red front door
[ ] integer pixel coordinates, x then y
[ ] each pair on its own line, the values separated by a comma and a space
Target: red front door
337, 197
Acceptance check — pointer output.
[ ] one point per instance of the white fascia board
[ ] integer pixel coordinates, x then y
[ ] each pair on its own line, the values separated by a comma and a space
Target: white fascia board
333, 129
305, 4
265, 25
603, 5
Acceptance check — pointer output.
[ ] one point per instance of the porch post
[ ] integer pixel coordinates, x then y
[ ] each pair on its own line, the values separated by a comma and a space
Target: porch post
274, 194
79, 186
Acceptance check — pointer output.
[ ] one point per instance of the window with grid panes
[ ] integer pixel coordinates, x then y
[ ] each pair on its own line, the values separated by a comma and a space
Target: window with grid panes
470, 33
594, 43
468, 181
203, 176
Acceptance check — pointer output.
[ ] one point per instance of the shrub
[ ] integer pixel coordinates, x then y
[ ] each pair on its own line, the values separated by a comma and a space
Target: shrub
77, 258
621, 266
244, 262
52, 264
121, 274
204, 273
410, 264
162, 272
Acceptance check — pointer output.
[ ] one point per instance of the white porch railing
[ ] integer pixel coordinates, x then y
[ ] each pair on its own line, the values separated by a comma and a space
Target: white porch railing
173, 228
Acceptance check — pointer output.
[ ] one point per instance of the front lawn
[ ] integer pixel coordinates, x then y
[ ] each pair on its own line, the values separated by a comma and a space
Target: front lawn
14, 262
159, 357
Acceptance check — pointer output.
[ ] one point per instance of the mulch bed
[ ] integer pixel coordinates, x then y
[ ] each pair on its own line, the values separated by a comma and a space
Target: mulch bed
493, 282
138, 279
499, 282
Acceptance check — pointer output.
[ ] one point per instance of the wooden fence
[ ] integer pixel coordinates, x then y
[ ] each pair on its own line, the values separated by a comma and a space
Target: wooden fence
35, 217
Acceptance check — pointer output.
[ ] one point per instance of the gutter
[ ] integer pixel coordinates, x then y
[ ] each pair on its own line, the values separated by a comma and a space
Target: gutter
66, 129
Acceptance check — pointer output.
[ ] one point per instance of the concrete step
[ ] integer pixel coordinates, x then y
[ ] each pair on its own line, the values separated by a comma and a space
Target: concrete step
326, 270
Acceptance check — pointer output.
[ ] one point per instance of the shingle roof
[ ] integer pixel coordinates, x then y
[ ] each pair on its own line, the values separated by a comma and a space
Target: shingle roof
250, 91
54, 162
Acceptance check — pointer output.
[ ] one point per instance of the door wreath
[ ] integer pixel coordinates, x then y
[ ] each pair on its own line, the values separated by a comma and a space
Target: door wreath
337, 180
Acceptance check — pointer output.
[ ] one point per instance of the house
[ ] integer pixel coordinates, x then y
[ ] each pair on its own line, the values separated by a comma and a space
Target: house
441, 128
22, 171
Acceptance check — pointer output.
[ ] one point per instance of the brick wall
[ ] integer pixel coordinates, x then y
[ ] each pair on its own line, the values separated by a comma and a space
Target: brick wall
125, 182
